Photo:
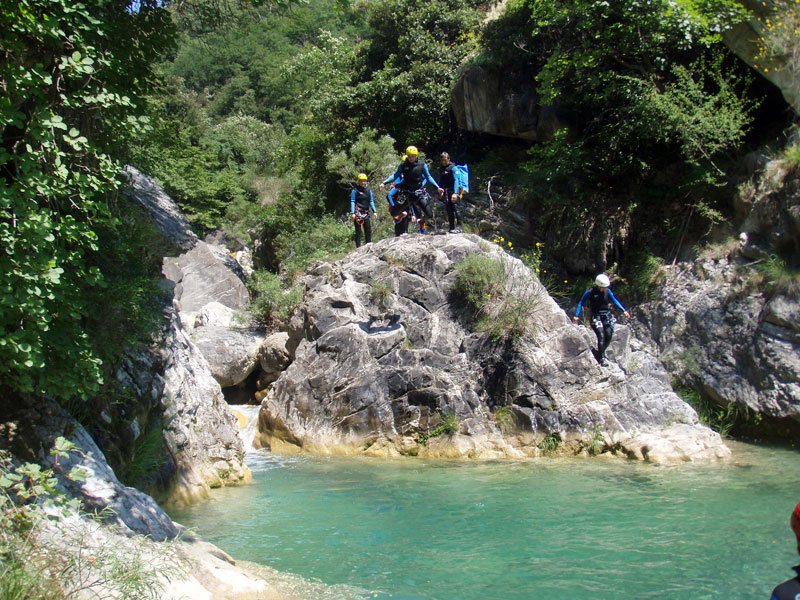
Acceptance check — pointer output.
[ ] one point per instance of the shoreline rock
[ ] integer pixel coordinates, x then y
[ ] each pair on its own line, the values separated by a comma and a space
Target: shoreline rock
384, 355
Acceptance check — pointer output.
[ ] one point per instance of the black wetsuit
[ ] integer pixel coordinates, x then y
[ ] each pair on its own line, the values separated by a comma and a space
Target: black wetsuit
448, 181
361, 201
788, 590
413, 187
602, 319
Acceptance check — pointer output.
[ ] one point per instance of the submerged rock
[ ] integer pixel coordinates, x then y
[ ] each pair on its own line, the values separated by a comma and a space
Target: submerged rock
387, 364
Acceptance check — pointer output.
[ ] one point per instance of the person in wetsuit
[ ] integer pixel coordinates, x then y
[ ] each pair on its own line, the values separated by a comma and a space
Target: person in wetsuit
361, 201
599, 298
451, 192
412, 175
790, 589
399, 208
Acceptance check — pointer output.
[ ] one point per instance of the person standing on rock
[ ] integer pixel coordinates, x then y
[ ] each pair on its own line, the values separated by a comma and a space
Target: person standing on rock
361, 201
790, 589
599, 297
414, 175
451, 192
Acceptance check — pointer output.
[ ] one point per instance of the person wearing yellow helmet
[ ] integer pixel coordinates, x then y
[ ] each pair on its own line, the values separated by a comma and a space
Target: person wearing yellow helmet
599, 298
361, 201
411, 176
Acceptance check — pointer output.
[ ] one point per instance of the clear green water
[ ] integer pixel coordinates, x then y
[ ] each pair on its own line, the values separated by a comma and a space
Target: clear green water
553, 528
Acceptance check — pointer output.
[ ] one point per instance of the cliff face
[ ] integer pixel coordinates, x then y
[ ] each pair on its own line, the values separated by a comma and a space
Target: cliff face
498, 102
728, 325
175, 380
386, 359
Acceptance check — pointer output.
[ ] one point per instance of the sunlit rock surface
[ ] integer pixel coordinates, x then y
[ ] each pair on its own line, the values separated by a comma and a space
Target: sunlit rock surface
385, 354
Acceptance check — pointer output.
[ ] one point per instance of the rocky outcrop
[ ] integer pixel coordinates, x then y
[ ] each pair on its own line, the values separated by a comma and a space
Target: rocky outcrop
498, 102
718, 333
173, 383
163, 211
746, 41
118, 533
206, 274
385, 360
200, 430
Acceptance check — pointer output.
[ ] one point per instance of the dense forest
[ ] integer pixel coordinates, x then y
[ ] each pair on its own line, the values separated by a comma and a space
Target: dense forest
256, 117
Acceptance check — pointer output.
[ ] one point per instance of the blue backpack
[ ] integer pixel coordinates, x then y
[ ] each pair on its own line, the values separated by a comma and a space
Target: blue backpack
461, 175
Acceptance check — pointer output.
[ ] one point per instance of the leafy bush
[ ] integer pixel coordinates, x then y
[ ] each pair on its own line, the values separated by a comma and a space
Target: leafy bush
74, 76
791, 158
496, 303
478, 278
645, 273
722, 419
779, 278
272, 300
449, 424
551, 442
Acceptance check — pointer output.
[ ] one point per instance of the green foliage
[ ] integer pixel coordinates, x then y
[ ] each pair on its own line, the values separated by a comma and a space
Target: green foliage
497, 304
645, 273
449, 424
780, 278
381, 292
272, 299
791, 158
478, 278
325, 238
70, 564
639, 83
551, 443
596, 443
372, 154
503, 417
73, 76
148, 458
722, 419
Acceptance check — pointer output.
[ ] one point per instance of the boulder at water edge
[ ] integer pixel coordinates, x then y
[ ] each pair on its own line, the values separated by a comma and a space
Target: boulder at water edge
387, 359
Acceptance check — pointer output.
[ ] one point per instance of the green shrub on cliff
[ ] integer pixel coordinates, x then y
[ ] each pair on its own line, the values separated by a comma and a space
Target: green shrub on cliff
73, 78
496, 303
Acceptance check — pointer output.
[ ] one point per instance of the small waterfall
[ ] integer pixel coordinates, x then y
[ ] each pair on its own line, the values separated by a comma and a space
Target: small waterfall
248, 431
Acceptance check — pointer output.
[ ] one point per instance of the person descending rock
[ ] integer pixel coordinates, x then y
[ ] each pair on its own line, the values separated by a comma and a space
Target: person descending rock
790, 589
413, 175
451, 192
599, 298
361, 201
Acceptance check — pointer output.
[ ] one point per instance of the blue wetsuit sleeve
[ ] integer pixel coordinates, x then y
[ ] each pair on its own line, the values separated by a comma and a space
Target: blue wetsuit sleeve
614, 299
584, 298
394, 177
353, 202
428, 176
372, 202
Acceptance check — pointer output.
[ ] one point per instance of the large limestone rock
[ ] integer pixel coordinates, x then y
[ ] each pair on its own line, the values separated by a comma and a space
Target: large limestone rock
200, 430
206, 274
163, 211
735, 344
232, 353
499, 102
744, 40
384, 353
128, 526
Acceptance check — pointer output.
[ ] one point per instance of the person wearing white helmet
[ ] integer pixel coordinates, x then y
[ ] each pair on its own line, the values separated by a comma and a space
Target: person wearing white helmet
599, 298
